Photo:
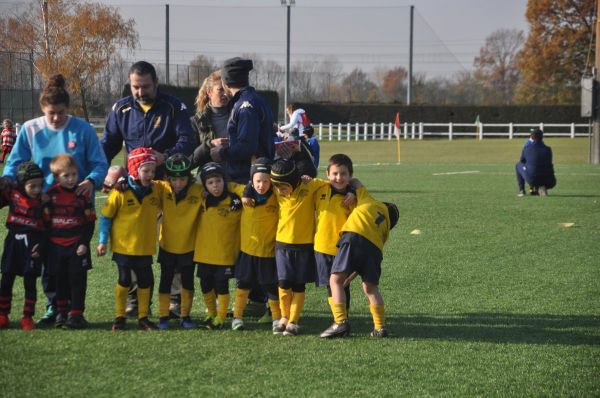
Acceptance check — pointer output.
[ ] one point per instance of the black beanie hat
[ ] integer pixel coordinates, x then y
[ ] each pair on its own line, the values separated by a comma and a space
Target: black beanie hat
285, 171
261, 165
235, 71
28, 171
394, 213
209, 169
178, 165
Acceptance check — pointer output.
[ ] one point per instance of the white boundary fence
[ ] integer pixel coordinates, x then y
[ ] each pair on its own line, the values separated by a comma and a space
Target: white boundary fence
385, 131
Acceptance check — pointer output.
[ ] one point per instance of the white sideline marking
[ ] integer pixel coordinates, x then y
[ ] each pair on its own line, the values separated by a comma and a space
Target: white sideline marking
456, 172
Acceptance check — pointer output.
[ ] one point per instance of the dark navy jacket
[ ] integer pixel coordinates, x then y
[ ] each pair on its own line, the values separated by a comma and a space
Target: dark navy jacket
165, 128
539, 169
250, 129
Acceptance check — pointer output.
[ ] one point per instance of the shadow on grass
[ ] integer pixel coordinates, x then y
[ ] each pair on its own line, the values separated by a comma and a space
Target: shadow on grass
501, 328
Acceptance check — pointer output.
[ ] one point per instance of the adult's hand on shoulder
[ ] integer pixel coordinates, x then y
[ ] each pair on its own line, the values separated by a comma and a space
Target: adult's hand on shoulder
160, 157
85, 188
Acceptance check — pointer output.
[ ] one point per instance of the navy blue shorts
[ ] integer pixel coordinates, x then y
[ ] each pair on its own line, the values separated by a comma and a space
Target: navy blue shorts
215, 272
357, 253
132, 262
16, 256
323, 262
60, 256
295, 266
168, 259
251, 268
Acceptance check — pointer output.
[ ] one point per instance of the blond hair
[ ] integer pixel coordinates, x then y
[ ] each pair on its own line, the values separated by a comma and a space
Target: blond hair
61, 163
211, 81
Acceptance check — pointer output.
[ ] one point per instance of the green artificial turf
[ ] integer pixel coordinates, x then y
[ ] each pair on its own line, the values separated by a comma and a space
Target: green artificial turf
494, 297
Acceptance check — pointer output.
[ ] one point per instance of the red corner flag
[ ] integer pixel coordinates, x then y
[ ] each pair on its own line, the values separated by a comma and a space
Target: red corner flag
397, 125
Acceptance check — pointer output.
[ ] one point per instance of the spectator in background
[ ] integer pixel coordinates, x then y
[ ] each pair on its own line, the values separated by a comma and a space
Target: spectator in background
210, 120
250, 125
313, 145
9, 136
148, 118
535, 166
40, 139
298, 121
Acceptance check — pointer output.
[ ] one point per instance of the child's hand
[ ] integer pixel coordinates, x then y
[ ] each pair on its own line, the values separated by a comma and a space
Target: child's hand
101, 249
82, 250
45, 198
349, 200
204, 194
306, 179
34, 251
248, 202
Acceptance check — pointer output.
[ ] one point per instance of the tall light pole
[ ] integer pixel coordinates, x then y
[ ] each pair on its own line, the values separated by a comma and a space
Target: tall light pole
410, 57
288, 4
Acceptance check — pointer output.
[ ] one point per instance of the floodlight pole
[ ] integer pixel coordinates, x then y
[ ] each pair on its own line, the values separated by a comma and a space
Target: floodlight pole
286, 94
167, 44
410, 57
595, 142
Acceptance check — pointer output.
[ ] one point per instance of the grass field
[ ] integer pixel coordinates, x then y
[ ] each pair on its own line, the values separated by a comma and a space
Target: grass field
493, 298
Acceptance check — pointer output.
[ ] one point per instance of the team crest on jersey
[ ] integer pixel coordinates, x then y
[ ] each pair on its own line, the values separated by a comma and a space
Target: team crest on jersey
193, 199
71, 144
157, 122
323, 196
154, 201
271, 209
302, 193
223, 211
246, 104
169, 196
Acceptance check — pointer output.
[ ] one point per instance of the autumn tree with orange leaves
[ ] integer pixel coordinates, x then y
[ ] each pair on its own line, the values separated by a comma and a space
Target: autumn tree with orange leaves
556, 52
81, 40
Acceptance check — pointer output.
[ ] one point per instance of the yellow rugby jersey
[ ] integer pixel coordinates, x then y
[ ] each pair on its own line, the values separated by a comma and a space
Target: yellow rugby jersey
178, 227
258, 228
297, 214
331, 216
369, 219
133, 230
218, 231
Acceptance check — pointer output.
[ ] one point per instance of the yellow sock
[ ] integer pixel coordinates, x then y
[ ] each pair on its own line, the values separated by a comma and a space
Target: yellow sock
164, 300
143, 296
285, 302
339, 312
120, 300
297, 306
275, 310
210, 301
239, 303
378, 313
222, 305
330, 302
187, 298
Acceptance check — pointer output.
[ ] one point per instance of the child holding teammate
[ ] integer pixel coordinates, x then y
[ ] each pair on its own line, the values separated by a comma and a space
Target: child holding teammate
180, 204
217, 243
129, 217
70, 219
360, 250
257, 256
24, 241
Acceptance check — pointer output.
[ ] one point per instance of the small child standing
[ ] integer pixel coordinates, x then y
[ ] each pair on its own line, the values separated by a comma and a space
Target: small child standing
70, 218
180, 204
9, 136
217, 241
257, 257
24, 241
361, 251
129, 217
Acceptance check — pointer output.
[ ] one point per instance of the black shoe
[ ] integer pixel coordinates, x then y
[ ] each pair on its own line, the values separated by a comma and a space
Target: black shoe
380, 332
61, 320
49, 317
119, 323
337, 330
76, 322
145, 324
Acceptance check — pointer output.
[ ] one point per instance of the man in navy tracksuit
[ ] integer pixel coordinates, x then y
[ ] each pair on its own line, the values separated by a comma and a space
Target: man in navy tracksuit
250, 125
148, 118
536, 166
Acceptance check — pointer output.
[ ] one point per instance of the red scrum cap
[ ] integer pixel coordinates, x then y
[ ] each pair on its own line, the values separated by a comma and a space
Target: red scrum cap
137, 158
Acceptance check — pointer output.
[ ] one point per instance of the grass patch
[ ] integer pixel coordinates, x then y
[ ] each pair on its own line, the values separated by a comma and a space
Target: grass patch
494, 298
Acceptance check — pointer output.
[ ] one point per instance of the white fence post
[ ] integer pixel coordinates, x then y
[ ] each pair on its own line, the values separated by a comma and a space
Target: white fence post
511, 131
390, 131
320, 131
382, 132
572, 130
412, 131
405, 130
366, 131
450, 131
348, 131
480, 131
420, 130
330, 131
374, 131
339, 131
356, 131
542, 126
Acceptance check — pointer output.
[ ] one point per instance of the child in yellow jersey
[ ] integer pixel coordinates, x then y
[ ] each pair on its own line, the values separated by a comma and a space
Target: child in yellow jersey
217, 244
129, 217
332, 213
180, 205
294, 254
257, 257
361, 251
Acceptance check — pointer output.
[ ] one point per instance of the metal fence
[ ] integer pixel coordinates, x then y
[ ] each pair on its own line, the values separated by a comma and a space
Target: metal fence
19, 87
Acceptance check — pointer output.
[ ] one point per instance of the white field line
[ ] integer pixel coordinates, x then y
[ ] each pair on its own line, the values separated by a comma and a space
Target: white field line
456, 172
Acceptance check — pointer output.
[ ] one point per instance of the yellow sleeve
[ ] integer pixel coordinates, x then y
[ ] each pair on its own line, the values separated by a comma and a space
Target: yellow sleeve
112, 204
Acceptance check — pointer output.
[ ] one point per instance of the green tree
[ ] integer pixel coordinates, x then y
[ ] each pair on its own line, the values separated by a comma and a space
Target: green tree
555, 53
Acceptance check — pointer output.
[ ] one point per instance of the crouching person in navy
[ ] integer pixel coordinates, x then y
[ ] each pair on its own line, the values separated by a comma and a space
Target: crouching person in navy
535, 166
24, 241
